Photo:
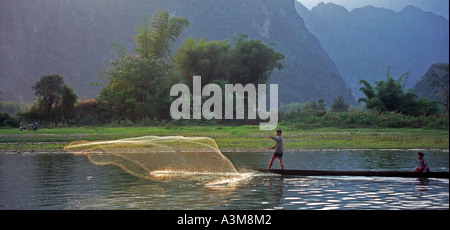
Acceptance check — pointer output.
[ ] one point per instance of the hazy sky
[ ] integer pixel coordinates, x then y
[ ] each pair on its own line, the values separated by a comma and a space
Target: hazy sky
439, 7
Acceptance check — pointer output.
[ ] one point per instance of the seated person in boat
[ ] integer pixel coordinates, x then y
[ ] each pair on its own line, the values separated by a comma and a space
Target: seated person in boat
423, 166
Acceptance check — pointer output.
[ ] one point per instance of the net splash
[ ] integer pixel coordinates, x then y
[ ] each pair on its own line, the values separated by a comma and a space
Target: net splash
158, 158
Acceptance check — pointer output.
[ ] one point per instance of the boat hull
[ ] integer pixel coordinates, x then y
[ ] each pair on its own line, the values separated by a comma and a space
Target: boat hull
355, 173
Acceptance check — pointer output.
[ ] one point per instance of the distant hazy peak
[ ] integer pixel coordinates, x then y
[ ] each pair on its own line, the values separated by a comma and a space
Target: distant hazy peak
301, 8
329, 9
364, 41
411, 9
372, 10
415, 11
329, 5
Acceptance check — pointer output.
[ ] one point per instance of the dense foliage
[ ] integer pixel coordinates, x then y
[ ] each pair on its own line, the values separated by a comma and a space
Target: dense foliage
358, 119
157, 38
138, 87
48, 90
389, 96
434, 85
55, 101
242, 62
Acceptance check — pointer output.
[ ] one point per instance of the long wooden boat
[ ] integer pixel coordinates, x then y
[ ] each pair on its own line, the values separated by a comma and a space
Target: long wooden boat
355, 173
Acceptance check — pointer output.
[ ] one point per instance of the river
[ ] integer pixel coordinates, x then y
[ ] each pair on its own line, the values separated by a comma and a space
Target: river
56, 181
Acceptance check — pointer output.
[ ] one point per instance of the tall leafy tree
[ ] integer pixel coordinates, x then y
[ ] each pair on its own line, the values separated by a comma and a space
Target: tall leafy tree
138, 87
55, 99
339, 105
253, 61
243, 62
211, 60
67, 102
158, 37
48, 91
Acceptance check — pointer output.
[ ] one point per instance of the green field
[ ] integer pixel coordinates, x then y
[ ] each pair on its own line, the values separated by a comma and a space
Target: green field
234, 138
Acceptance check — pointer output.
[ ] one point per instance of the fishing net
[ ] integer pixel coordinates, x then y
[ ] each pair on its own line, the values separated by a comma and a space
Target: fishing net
150, 156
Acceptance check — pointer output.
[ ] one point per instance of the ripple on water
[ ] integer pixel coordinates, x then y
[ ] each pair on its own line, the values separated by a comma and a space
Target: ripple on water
63, 181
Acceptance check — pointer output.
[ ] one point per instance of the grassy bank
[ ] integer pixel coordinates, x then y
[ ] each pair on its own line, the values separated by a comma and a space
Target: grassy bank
235, 138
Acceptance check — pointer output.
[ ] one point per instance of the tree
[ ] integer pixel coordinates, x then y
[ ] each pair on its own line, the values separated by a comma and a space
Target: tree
389, 95
138, 87
253, 61
48, 91
67, 102
315, 108
158, 37
243, 62
339, 105
55, 99
211, 60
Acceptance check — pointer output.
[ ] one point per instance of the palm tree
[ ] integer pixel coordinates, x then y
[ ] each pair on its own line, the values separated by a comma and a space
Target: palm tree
158, 38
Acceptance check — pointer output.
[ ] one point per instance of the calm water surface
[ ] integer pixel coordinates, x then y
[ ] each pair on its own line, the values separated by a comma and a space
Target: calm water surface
65, 181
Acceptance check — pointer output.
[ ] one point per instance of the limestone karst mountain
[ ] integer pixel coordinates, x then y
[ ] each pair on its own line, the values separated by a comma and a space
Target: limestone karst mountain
72, 38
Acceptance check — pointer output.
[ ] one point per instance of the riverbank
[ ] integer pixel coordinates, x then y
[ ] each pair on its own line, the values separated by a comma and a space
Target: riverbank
234, 138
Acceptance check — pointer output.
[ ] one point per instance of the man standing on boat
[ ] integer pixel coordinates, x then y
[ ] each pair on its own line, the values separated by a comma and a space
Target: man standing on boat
278, 150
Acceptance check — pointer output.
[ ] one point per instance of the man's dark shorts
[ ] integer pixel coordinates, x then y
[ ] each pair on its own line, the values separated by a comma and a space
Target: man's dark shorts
279, 155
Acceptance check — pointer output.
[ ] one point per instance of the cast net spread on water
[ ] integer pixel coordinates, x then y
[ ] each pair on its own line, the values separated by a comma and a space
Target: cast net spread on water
150, 156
